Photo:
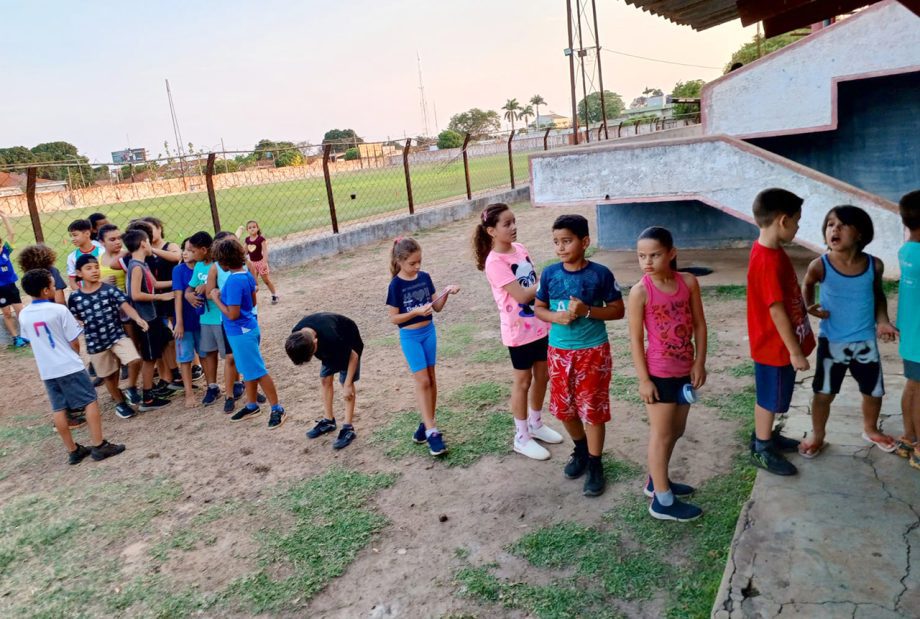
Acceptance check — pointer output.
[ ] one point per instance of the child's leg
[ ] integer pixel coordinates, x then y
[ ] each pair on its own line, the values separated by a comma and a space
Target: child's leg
268, 282
820, 413
328, 395
268, 388
185, 369
433, 392
871, 409
350, 407
595, 433
538, 385
663, 434
423, 396
230, 375
679, 426
169, 357
209, 363
63, 428
134, 371
910, 408
11, 324
94, 421
575, 428
111, 384
147, 368
519, 389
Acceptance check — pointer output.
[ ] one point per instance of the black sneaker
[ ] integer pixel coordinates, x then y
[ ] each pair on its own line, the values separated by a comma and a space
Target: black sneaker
322, 426
197, 372
782, 444
277, 417
98, 382
76, 456
76, 421
229, 405
246, 413
124, 373
106, 450
678, 510
595, 482
211, 395
260, 398
346, 436
772, 462
124, 411
162, 392
152, 403
176, 386
577, 463
239, 388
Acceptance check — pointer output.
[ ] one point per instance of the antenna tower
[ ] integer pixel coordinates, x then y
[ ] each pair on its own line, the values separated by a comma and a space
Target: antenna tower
421, 92
584, 50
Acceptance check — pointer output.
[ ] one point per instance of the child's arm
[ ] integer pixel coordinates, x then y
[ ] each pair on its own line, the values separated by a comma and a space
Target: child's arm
239, 233
814, 275
397, 319
541, 310
348, 387
211, 284
700, 333
230, 311
610, 311
784, 327
172, 255
884, 329
10, 234
520, 293
137, 273
637, 299
131, 313
178, 326
441, 299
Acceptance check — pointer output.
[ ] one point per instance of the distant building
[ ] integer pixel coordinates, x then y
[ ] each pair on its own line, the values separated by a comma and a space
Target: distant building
13, 184
551, 120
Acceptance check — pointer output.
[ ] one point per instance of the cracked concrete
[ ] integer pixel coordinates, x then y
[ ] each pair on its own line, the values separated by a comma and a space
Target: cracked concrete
839, 538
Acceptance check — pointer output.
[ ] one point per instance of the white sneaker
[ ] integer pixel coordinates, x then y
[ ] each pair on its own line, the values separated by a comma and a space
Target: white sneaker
545, 433
531, 449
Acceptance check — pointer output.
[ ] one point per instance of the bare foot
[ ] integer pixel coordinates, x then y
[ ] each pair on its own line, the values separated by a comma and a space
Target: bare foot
881, 440
190, 401
812, 447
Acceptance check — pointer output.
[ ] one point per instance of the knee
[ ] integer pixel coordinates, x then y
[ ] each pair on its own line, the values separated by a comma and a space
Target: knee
522, 381
327, 382
423, 381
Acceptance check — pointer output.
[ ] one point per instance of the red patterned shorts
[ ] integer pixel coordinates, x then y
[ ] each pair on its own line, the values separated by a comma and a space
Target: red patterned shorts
259, 267
579, 383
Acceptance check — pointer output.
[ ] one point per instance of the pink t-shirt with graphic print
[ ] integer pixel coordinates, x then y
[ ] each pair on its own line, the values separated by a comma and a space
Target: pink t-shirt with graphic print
518, 323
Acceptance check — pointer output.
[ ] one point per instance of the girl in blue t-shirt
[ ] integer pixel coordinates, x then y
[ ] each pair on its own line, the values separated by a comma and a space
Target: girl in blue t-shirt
411, 300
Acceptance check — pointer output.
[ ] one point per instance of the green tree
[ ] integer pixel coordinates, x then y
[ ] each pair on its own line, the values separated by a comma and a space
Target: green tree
341, 139
289, 157
686, 90
78, 173
16, 155
476, 122
526, 114
222, 166
590, 106
537, 101
747, 53
351, 154
652, 92
511, 107
449, 139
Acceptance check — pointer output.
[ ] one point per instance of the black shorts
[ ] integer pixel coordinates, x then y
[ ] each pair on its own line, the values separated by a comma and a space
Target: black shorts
524, 356
9, 295
670, 390
860, 358
151, 343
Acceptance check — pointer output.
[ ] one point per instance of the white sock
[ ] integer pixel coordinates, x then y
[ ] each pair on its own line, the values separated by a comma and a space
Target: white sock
428, 433
535, 418
665, 498
521, 434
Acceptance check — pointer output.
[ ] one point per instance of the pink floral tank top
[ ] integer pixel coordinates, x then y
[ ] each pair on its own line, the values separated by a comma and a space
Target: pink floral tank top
669, 329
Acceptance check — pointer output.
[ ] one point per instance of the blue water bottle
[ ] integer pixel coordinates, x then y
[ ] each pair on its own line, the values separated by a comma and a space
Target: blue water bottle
688, 393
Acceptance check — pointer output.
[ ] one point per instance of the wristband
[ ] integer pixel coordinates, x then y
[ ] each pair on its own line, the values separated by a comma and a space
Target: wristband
588, 315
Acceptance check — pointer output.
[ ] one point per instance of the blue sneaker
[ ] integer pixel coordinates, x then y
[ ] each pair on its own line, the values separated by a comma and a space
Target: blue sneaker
436, 446
133, 396
20, 342
277, 417
211, 395
261, 399
346, 436
678, 510
229, 404
419, 436
681, 491
322, 426
238, 390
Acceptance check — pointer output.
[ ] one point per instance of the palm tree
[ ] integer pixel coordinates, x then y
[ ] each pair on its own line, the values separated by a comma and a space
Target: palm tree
526, 114
511, 107
537, 101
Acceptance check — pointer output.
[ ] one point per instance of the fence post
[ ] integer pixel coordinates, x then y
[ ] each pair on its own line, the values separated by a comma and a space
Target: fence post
466, 167
31, 174
619, 128
212, 195
545, 138
511, 159
599, 129
408, 178
327, 150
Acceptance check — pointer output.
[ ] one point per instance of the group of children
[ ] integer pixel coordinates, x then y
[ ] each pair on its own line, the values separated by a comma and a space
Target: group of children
552, 323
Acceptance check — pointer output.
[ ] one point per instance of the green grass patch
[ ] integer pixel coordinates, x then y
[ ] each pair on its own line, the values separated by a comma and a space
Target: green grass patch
625, 388
735, 405
728, 292
890, 288
17, 437
494, 353
454, 340
742, 370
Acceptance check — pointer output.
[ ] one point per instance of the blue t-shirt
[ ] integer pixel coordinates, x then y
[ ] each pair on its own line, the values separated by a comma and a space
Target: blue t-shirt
409, 295
238, 290
7, 273
181, 278
909, 301
594, 285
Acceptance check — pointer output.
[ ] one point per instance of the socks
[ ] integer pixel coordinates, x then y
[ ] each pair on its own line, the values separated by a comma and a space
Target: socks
213, 386
582, 446
760, 445
176, 375
347, 426
428, 433
535, 418
666, 499
277, 408
521, 435
252, 406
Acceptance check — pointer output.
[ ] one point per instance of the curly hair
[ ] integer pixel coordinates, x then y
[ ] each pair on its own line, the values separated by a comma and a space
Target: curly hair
228, 253
38, 256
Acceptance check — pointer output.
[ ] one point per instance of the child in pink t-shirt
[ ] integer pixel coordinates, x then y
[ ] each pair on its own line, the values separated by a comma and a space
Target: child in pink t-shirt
513, 279
666, 306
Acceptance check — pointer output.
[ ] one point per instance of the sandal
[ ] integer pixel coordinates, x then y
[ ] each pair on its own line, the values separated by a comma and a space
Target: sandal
887, 446
810, 450
904, 447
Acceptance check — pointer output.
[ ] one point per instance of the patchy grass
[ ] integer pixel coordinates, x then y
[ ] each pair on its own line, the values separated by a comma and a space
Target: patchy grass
454, 340
494, 353
729, 292
890, 287
742, 370
14, 438
384, 341
625, 388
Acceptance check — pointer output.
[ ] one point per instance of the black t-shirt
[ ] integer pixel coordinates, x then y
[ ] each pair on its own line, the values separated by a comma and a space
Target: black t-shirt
99, 312
162, 271
337, 336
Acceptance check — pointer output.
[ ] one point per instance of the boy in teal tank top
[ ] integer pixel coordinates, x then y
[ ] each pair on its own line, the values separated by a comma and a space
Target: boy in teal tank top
854, 313
909, 327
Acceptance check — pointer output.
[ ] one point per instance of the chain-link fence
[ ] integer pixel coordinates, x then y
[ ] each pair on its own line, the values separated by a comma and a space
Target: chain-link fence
304, 191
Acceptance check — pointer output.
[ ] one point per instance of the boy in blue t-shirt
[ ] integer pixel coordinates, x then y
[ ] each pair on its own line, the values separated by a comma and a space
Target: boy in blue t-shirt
909, 327
236, 300
187, 326
9, 294
576, 296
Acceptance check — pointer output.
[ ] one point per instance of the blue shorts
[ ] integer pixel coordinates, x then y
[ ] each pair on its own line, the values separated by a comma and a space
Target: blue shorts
343, 374
187, 346
247, 355
72, 391
420, 346
911, 370
774, 386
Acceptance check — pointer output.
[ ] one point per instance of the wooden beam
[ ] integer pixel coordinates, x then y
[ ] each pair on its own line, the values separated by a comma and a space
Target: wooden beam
753, 11
809, 14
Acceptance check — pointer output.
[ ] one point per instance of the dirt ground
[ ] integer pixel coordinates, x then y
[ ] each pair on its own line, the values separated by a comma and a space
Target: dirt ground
407, 569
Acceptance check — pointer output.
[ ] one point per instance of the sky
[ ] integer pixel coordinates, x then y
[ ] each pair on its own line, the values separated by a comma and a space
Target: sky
93, 73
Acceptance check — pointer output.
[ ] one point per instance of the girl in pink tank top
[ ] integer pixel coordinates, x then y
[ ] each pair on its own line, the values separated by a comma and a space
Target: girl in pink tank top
665, 306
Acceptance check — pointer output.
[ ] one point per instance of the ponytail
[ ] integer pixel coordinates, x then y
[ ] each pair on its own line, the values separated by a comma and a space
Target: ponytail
664, 238
482, 242
403, 247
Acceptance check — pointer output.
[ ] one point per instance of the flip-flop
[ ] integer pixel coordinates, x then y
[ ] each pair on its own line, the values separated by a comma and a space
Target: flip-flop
886, 447
811, 451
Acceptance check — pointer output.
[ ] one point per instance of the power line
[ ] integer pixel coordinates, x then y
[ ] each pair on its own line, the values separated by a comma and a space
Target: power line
683, 64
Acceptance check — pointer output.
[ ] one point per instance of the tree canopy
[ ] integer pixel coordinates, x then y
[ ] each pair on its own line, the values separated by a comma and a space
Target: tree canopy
449, 139
591, 105
688, 89
341, 139
476, 122
79, 173
747, 53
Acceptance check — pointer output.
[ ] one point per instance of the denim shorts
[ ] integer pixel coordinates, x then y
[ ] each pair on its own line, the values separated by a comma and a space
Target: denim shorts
247, 355
912, 370
774, 386
343, 374
70, 391
187, 346
420, 346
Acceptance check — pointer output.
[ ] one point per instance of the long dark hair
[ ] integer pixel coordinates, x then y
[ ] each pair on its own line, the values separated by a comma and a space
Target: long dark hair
482, 242
664, 238
403, 247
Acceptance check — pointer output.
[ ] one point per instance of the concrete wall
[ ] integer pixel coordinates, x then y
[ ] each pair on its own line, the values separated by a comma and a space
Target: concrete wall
693, 224
875, 144
298, 251
795, 89
719, 171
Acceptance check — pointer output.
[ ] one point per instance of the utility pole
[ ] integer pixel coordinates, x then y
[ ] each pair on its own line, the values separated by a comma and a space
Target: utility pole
176, 131
570, 53
584, 81
600, 72
421, 89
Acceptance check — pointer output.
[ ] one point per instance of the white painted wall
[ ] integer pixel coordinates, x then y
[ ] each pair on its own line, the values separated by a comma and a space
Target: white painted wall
720, 171
793, 89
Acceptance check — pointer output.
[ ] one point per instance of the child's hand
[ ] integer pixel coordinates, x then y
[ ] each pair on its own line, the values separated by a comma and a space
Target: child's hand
348, 391
452, 289
886, 331
178, 331
215, 295
698, 375
165, 296
142, 324
799, 362
109, 279
577, 307
424, 310
648, 392
563, 317
200, 289
192, 299
818, 312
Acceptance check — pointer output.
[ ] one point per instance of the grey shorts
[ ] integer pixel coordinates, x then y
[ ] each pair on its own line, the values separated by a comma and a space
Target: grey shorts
71, 391
212, 338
